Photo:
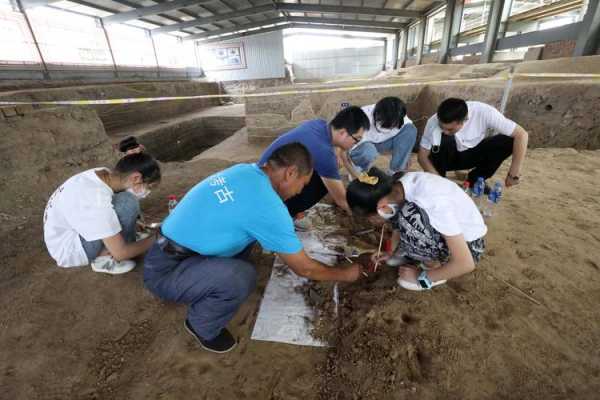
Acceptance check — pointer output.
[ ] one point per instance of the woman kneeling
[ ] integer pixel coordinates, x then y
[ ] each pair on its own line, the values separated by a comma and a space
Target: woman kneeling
438, 230
91, 218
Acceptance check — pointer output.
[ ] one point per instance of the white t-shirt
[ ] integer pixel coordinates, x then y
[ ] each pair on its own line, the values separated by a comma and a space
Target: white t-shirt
481, 117
450, 210
380, 135
80, 206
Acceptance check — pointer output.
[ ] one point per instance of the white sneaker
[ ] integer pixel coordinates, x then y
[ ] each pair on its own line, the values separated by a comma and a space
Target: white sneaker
141, 235
415, 286
109, 265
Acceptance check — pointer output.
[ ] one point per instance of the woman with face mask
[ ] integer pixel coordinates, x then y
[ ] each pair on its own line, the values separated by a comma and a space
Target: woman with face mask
438, 229
91, 218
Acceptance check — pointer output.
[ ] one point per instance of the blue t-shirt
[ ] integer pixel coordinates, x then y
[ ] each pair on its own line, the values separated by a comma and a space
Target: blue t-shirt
227, 211
315, 136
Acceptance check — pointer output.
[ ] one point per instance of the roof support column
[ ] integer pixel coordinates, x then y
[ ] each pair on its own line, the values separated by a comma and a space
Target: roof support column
588, 41
403, 48
491, 34
396, 48
420, 40
448, 24
110, 50
385, 50
35, 42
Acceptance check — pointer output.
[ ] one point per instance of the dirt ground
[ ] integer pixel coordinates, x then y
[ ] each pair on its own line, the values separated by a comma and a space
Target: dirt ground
76, 334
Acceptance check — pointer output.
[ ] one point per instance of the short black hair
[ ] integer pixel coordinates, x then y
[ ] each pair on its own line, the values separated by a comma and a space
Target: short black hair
292, 154
129, 143
389, 113
143, 163
363, 198
452, 110
352, 119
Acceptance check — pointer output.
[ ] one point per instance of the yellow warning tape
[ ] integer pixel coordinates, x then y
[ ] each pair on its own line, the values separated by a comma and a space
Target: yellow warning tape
281, 92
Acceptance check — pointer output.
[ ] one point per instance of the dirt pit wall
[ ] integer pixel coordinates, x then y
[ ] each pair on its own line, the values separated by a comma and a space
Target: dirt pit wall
118, 116
556, 113
38, 151
184, 140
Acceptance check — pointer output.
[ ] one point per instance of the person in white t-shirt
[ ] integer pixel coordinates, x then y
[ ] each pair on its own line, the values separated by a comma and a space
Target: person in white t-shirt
391, 131
455, 139
438, 230
91, 218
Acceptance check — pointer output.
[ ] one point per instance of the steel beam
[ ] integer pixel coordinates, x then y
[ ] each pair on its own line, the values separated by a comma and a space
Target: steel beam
235, 29
315, 8
240, 35
152, 10
215, 18
565, 32
295, 25
491, 33
361, 26
352, 22
447, 34
588, 41
27, 4
336, 28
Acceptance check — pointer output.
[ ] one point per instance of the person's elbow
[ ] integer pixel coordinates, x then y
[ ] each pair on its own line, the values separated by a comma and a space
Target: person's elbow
520, 134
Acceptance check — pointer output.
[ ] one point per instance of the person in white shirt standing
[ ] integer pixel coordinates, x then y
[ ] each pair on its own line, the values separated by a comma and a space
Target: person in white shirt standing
91, 218
438, 230
391, 131
455, 139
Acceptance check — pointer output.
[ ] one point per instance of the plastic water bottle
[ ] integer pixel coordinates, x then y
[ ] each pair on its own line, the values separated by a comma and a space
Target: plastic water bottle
172, 202
467, 188
493, 198
478, 191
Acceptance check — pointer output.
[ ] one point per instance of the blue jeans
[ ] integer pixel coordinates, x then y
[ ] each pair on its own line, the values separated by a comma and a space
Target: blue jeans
214, 288
127, 208
401, 145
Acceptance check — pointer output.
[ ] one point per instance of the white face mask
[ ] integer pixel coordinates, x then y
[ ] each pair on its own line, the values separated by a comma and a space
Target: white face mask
388, 214
143, 194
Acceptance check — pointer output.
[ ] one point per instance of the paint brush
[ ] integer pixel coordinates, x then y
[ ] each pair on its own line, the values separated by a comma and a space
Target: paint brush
379, 249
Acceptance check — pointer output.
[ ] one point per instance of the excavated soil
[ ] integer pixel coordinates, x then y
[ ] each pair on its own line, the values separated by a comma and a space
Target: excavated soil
524, 325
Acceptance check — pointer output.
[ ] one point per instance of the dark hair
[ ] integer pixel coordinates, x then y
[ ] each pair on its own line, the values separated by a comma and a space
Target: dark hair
292, 154
352, 119
452, 110
129, 143
143, 163
363, 198
389, 113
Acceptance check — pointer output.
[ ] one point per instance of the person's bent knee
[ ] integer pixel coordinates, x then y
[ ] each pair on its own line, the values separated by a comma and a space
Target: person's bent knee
126, 202
126, 205
242, 280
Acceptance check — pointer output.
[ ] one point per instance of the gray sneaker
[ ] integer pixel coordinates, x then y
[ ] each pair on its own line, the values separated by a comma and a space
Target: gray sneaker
108, 265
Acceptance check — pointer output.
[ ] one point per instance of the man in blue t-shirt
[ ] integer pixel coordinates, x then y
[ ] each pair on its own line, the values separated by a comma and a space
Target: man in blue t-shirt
200, 255
320, 138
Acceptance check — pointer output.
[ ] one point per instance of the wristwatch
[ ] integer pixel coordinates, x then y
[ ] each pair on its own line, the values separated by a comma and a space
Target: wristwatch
513, 177
424, 280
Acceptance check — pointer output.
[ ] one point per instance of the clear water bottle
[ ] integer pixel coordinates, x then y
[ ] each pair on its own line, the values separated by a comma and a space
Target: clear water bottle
172, 202
478, 192
493, 198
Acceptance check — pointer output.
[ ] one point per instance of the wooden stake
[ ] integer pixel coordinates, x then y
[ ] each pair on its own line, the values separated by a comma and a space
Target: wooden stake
379, 249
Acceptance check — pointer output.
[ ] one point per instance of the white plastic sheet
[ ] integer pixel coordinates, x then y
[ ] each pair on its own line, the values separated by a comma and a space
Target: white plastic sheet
284, 315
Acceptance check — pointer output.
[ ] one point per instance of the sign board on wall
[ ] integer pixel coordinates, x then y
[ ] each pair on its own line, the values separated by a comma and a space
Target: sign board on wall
223, 57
